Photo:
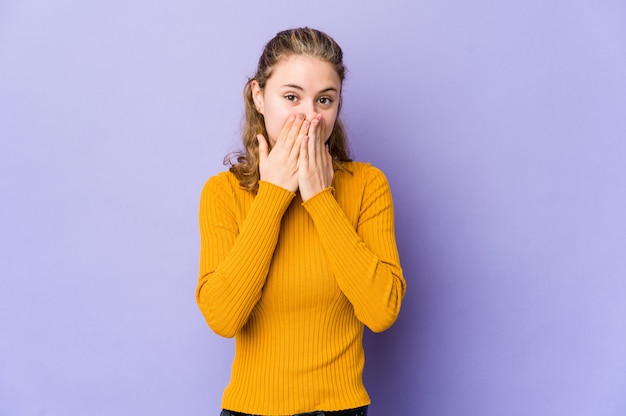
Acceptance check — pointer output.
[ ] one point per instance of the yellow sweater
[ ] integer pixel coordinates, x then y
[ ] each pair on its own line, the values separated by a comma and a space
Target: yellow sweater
295, 283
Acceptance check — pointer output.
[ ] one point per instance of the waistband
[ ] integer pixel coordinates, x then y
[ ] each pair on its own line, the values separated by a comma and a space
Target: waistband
359, 411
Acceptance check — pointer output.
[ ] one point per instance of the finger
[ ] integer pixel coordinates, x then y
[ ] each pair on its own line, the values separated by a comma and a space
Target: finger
313, 148
296, 126
320, 139
303, 158
302, 132
284, 132
321, 129
311, 134
304, 129
315, 129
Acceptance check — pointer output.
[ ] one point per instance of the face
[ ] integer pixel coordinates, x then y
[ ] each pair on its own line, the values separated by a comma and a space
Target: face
299, 84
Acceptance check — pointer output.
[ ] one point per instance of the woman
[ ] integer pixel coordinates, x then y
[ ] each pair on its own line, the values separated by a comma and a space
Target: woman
298, 249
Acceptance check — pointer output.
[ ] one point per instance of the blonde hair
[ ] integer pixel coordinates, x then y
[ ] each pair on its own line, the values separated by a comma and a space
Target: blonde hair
301, 41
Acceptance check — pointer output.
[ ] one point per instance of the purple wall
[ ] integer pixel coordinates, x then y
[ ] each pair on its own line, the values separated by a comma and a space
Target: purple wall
501, 127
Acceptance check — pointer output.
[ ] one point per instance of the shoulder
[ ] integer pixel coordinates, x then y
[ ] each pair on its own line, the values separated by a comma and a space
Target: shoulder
361, 186
360, 172
360, 181
224, 183
223, 179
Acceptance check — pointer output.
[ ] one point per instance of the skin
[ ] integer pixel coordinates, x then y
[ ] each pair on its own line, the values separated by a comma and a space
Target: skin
299, 100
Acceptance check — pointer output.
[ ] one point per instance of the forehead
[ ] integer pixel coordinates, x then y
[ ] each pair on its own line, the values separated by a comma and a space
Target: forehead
306, 72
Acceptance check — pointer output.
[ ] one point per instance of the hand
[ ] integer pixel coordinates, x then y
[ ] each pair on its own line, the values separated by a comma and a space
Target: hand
280, 165
315, 164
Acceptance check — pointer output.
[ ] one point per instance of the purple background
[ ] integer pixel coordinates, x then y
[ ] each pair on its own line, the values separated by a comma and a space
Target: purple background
500, 125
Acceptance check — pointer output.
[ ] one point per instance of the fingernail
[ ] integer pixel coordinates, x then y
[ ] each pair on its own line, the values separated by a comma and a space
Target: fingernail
300, 116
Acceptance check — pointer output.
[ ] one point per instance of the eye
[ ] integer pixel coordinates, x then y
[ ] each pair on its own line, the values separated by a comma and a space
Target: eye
291, 97
325, 100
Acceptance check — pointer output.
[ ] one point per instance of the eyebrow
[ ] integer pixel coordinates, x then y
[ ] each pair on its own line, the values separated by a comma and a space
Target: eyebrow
297, 87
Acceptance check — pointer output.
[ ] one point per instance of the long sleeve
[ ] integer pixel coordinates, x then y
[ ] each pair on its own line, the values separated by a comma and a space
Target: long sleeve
363, 256
236, 252
296, 284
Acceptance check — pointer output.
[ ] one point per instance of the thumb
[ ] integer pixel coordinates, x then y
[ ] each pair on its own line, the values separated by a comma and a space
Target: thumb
263, 152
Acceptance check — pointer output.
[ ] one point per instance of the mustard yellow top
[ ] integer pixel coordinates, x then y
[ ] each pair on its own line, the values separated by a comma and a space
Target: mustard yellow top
295, 283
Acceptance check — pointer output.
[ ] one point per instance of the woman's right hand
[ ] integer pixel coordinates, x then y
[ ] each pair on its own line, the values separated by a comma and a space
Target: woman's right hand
280, 165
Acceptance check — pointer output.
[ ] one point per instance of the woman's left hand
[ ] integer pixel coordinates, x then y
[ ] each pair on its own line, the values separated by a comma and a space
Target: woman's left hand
315, 164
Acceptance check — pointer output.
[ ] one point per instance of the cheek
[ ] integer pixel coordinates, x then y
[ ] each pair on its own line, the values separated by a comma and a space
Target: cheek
275, 118
273, 129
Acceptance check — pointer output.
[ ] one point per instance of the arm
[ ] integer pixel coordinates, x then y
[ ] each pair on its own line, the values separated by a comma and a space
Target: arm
365, 261
234, 263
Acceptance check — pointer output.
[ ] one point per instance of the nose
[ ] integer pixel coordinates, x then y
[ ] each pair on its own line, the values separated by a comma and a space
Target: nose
309, 111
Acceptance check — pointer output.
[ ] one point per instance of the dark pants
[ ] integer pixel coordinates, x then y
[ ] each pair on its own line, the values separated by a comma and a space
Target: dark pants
361, 411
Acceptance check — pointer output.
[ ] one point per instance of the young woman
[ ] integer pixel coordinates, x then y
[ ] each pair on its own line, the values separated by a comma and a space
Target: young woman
298, 250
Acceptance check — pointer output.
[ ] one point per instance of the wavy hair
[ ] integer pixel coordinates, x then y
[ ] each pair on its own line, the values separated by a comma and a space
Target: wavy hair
301, 41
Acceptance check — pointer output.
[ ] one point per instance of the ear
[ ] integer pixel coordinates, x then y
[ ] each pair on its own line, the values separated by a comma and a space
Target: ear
257, 95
